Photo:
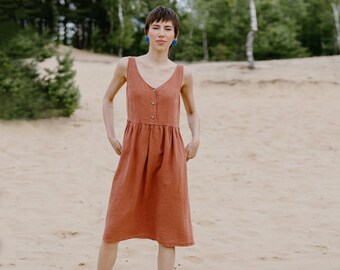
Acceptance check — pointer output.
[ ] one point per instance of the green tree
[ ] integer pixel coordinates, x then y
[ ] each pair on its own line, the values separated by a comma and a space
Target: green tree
278, 30
318, 32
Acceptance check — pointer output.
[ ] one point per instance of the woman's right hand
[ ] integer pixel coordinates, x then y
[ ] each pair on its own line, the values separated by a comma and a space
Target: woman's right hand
116, 145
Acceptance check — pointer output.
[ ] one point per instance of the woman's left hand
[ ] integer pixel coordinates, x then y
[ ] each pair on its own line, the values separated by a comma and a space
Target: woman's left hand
192, 149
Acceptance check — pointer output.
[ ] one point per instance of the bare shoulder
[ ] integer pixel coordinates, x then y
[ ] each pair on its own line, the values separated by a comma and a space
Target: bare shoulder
187, 77
122, 65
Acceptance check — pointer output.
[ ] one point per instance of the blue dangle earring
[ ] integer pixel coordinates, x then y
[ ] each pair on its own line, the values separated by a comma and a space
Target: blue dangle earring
147, 39
174, 42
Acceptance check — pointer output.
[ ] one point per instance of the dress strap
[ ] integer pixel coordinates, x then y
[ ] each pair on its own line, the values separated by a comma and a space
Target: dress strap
180, 75
129, 67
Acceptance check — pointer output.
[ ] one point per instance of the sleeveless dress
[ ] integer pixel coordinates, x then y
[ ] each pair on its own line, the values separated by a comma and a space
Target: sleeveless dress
149, 195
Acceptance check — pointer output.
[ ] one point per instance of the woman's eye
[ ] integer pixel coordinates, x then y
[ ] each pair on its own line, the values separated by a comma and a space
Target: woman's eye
168, 29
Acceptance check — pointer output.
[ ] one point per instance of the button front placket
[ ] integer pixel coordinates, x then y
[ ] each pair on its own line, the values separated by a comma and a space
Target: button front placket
153, 105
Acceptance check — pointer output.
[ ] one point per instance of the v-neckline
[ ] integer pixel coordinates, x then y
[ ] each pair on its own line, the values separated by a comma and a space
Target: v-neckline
161, 85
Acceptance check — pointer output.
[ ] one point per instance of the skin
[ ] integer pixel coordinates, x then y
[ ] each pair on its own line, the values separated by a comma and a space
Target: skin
155, 61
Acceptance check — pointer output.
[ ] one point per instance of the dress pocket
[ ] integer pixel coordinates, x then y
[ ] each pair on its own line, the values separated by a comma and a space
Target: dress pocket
182, 146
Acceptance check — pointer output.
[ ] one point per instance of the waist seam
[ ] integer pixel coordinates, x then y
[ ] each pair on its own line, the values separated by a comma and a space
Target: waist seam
152, 124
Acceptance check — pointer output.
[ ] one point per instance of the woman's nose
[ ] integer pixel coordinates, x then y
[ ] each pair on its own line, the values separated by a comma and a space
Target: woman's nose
161, 32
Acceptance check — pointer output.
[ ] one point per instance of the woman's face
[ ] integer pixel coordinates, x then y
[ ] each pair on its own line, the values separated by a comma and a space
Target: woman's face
161, 35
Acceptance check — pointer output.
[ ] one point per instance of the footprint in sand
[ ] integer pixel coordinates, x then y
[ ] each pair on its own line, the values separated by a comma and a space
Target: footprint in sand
252, 156
205, 222
10, 264
269, 258
194, 259
320, 247
66, 234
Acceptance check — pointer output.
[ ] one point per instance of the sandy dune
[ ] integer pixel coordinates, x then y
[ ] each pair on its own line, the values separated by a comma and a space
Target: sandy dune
264, 187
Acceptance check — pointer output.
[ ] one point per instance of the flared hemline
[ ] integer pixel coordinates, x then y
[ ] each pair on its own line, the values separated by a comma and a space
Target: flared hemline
142, 236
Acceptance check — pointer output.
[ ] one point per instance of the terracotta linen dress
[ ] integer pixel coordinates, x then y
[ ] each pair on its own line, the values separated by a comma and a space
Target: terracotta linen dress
149, 194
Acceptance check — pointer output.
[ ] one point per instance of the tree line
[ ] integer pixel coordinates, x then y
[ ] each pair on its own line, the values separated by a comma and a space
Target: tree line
211, 30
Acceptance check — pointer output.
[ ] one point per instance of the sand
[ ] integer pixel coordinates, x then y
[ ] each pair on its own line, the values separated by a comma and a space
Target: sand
264, 187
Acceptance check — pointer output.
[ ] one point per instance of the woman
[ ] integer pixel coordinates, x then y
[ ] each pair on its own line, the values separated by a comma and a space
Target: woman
149, 195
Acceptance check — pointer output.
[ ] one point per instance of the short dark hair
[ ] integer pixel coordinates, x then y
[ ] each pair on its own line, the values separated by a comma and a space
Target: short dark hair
160, 14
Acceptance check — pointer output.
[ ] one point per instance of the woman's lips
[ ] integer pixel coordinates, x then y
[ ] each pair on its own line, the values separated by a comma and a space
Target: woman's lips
160, 41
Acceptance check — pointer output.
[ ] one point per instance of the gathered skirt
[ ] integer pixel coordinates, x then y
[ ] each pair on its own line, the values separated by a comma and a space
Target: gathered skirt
149, 195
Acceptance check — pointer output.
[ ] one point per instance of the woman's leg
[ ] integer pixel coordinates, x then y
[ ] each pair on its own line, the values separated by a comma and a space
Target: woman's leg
107, 256
166, 257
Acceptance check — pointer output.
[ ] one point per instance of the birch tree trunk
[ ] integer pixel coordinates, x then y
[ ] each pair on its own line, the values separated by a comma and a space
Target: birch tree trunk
251, 34
336, 11
122, 32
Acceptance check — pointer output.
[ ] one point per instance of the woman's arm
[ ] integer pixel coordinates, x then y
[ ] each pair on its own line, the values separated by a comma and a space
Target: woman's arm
119, 78
193, 118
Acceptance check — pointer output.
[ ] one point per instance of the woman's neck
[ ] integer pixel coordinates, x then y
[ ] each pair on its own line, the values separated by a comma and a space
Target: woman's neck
157, 58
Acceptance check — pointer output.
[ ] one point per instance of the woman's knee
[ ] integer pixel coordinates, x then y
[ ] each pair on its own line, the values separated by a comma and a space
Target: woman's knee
165, 247
109, 244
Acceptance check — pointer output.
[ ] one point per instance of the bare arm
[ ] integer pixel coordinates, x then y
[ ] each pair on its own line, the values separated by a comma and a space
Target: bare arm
193, 118
118, 80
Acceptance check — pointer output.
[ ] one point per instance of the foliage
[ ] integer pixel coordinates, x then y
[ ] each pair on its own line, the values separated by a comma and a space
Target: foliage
61, 90
287, 28
20, 93
28, 44
24, 94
